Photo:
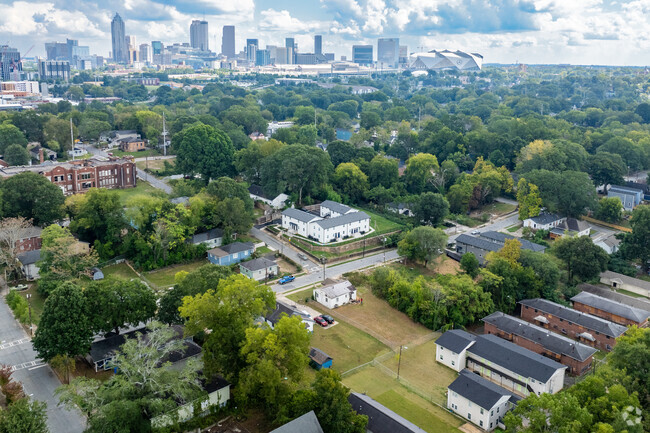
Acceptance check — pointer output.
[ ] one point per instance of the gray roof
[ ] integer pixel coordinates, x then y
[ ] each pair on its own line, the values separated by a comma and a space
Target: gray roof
551, 341
476, 242
478, 390
610, 306
351, 217
258, 264
606, 292
30, 257
282, 309
517, 359
337, 289
456, 340
380, 418
237, 247
336, 207
545, 218
307, 423
31, 232
300, 215
502, 237
625, 279
258, 191
625, 189
585, 320
318, 356
207, 236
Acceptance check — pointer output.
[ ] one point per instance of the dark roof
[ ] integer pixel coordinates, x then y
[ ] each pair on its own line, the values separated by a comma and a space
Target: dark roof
502, 237
284, 309
335, 206
555, 343
456, 340
400, 206
214, 384
583, 319
478, 390
307, 423
479, 243
610, 306
625, 189
348, 218
258, 191
637, 185
545, 218
257, 264
380, 418
30, 257
318, 356
517, 359
237, 247
300, 215
608, 293
207, 236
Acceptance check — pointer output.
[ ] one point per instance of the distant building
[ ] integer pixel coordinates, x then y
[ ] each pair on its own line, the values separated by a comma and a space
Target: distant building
388, 52
132, 145
444, 60
619, 281
262, 57
629, 197
362, 54
318, 44
19, 88
157, 47
199, 35
146, 55
611, 310
118, 39
54, 69
228, 41
10, 64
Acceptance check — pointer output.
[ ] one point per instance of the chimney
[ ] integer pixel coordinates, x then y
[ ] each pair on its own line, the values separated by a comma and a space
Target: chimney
41, 159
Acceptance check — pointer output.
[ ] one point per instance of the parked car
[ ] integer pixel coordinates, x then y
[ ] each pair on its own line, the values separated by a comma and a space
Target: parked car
475, 232
302, 257
329, 319
286, 279
322, 322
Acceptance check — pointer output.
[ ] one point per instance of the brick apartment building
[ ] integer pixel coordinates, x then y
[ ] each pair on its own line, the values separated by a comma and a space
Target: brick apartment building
610, 310
575, 355
75, 177
591, 330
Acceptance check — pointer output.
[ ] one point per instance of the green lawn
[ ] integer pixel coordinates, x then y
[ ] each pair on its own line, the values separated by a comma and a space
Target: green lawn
634, 295
514, 228
382, 224
36, 301
165, 277
142, 187
263, 250
122, 271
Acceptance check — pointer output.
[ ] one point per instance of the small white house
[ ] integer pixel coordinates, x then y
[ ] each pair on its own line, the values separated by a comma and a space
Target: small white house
257, 194
28, 264
544, 221
211, 238
335, 295
478, 400
77, 152
451, 348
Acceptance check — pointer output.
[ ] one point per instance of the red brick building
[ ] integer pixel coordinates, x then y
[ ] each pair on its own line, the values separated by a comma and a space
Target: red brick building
30, 240
576, 356
610, 310
132, 145
75, 177
591, 330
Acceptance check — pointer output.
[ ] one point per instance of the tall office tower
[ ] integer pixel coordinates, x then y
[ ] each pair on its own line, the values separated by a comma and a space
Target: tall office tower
70, 44
263, 57
157, 47
199, 35
251, 53
228, 41
362, 54
280, 57
145, 53
403, 54
56, 50
255, 42
388, 52
118, 37
10, 64
132, 48
290, 45
318, 44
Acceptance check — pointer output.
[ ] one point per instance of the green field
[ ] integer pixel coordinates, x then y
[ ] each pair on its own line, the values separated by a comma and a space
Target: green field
382, 224
165, 277
142, 187
122, 271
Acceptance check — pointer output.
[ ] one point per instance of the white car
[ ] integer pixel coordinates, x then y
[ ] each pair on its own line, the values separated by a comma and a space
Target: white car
475, 232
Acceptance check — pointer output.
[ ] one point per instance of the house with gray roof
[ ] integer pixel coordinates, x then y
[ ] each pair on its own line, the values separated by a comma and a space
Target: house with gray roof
611, 310
259, 269
28, 263
307, 423
380, 418
283, 309
231, 253
333, 209
622, 282
501, 238
490, 241
605, 292
629, 197
335, 222
478, 400
543, 221
335, 295
211, 238
571, 227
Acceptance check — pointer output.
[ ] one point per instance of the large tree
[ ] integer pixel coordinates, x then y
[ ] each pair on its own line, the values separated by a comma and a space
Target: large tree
431, 208
12, 230
609, 209
582, 258
202, 149
423, 243
350, 181
636, 245
57, 131
606, 168
383, 171
528, 198
32, 196
570, 193
24, 416
9, 135
420, 171
98, 215
15, 154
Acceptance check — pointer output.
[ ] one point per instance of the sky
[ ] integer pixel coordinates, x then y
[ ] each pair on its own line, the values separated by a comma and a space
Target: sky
600, 32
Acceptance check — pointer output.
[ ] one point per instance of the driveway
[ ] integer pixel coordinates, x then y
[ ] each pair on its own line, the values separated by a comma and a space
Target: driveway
285, 249
38, 379
154, 181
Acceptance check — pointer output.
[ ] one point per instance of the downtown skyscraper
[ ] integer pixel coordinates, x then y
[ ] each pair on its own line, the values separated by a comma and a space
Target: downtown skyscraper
228, 41
199, 35
118, 37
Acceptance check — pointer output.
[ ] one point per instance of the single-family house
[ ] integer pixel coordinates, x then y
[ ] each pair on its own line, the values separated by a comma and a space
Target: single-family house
115, 137
42, 154
380, 418
570, 227
514, 368
256, 136
319, 359
283, 309
259, 269
642, 186
543, 221
500, 238
307, 423
334, 222
77, 152
257, 194
611, 310
28, 263
211, 238
630, 284
478, 400
606, 292
586, 328
132, 144
490, 241
335, 295
629, 197
400, 208
29, 239
577, 356
610, 244
230, 254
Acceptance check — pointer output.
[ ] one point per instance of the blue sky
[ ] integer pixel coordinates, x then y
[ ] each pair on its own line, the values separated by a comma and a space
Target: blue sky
503, 31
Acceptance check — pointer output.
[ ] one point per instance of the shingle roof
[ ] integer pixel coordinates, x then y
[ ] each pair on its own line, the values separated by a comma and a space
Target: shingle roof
380, 418
627, 280
478, 390
556, 343
257, 264
237, 247
608, 293
338, 289
30, 232
207, 236
502, 237
583, 319
282, 309
258, 191
517, 359
307, 423
336, 207
625, 189
30, 257
545, 218
318, 356
299, 215
456, 340
636, 314
482, 244
351, 217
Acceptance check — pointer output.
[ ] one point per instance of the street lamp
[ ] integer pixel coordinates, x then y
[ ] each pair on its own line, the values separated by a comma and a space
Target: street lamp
29, 306
384, 241
323, 260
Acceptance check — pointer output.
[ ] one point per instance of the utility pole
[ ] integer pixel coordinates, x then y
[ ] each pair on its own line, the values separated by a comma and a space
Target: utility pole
399, 361
71, 139
323, 260
164, 133
29, 306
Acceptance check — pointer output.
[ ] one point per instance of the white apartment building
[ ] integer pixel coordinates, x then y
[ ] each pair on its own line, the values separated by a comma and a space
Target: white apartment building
335, 222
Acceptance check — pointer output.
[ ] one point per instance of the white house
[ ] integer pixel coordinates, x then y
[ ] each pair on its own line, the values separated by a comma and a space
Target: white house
544, 221
257, 194
451, 348
211, 238
335, 295
478, 400
335, 222
259, 269
571, 227
610, 244
28, 263
77, 152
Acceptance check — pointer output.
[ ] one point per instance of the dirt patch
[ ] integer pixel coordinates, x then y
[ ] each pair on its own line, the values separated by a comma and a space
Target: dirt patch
446, 266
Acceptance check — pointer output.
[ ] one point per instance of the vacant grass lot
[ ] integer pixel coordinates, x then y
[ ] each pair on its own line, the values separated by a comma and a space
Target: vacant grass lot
165, 277
142, 187
154, 164
142, 154
122, 271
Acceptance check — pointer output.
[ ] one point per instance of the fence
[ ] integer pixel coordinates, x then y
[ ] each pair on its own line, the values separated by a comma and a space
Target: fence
603, 223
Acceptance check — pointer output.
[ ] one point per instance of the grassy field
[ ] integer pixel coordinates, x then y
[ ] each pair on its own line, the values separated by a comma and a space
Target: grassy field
165, 277
36, 301
382, 224
497, 208
142, 154
122, 271
154, 164
142, 188
389, 392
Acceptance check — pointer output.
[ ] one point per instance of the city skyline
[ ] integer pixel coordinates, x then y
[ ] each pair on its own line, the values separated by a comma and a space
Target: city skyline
535, 31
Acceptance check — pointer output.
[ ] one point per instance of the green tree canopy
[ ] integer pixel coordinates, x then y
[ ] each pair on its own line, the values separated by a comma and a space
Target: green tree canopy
431, 208
32, 196
635, 245
423, 243
16, 154
581, 257
202, 149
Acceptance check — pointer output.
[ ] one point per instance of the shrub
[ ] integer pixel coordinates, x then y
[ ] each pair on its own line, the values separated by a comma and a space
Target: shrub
19, 306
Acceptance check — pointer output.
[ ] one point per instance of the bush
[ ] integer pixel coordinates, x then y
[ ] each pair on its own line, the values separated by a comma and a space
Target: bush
19, 306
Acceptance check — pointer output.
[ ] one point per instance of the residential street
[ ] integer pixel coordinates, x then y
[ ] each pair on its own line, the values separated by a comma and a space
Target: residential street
39, 381
288, 251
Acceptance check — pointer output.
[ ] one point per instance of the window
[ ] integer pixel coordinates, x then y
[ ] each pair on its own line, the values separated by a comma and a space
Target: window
453, 362
608, 347
561, 319
491, 414
85, 176
481, 411
480, 423
490, 425
526, 307
497, 410
564, 331
469, 415
607, 337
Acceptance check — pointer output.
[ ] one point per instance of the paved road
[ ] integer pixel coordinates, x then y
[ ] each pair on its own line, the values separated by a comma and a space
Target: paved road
154, 181
288, 251
37, 378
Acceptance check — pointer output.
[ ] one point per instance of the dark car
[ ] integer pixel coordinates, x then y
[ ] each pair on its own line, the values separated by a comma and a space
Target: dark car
322, 322
329, 319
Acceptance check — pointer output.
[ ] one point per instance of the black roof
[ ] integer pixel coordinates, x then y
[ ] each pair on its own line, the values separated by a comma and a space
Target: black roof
30, 257
207, 236
214, 384
545, 218
583, 319
608, 293
508, 355
551, 341
610, 306
502, 237
380, 418
283, 309
237, 247
258, 191
307, 423
478, 390
257, 264
456, 340
482, 244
